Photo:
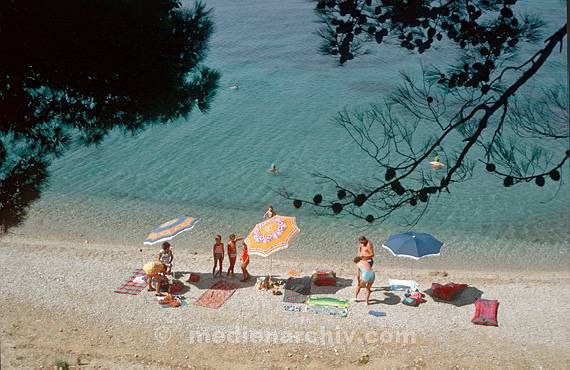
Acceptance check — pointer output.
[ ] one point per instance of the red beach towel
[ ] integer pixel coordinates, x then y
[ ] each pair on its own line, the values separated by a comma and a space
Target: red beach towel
217, 294
486, 312
132, 287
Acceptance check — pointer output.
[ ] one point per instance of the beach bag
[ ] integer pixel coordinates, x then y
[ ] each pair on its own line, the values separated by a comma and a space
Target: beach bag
486, 312
447, 292
414, 299
176, 287
324, 278
194, 278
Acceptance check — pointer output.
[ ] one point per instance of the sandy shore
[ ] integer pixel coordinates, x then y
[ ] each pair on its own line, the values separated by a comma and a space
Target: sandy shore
59, 304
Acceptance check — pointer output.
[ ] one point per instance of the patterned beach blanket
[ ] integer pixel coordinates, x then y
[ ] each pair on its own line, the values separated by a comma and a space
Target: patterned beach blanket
297, 290
134, 284
218, 293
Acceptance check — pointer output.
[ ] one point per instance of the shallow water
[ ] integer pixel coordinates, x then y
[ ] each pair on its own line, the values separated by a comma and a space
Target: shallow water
214, 165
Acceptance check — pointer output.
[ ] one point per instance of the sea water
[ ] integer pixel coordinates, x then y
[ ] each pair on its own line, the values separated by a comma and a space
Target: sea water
276, 103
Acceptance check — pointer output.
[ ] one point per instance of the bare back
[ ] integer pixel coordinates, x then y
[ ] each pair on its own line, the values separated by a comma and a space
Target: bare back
232, 247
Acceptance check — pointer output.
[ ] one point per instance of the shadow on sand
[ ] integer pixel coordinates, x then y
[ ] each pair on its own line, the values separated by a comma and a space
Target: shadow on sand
207, 280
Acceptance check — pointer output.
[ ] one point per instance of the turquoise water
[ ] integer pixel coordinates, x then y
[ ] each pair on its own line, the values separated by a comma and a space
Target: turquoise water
214, 165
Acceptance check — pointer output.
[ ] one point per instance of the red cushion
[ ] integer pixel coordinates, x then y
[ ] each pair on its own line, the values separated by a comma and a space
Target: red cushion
486, 312
447, 292
194, 278
324, 278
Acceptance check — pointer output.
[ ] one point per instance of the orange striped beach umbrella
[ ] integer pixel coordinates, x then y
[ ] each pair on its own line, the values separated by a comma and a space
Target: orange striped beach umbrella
271, 235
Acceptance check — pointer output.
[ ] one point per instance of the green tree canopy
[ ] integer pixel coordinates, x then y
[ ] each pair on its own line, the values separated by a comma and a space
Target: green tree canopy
77, 69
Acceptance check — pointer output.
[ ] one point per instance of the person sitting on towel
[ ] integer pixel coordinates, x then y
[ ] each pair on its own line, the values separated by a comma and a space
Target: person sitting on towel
364, 277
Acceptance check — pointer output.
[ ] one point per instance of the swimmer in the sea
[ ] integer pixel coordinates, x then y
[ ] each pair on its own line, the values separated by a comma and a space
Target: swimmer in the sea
273, 168
436, 163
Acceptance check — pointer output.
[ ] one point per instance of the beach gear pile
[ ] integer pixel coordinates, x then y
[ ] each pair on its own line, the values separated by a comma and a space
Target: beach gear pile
324, 278
447, 292
170, 301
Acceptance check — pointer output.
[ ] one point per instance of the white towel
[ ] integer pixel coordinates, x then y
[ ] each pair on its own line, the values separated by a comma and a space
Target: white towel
396, 284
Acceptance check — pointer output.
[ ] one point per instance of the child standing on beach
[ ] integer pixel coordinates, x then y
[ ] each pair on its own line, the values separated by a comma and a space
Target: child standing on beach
244, 262
232, 253
218, 252
166, 257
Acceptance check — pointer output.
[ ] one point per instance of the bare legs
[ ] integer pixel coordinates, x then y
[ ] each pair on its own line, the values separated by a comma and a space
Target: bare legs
245, 273
216, 260
232, 265
367, 287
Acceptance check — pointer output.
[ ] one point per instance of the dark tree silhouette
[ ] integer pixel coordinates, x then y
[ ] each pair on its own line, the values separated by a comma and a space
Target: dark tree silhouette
73, 70
472, 106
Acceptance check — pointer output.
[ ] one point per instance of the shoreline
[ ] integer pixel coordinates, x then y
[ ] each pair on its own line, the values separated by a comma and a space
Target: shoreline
321, 238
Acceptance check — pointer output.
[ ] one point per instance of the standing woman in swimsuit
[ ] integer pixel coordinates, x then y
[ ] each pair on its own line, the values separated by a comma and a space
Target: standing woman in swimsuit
364, 276
218, 254
232, 253
244, 262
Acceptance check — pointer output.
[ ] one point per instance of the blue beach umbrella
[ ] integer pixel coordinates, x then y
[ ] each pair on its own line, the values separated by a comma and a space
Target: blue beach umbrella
413, 245
170, 229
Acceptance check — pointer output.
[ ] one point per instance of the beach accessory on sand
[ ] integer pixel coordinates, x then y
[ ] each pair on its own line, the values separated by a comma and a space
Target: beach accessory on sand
154, 267
396, 284
293, 307
134, 284
297, 290
169, 301
447, 292
327, 301
170, 229
194, 278
328, 310
324, 278
176, 287
486, 312
377, 313
409, 301
218, 293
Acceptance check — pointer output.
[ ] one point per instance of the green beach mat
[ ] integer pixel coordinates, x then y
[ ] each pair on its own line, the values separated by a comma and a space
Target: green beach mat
327, 301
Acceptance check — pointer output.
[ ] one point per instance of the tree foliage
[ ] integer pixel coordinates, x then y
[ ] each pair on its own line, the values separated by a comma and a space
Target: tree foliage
76, 70
473, 107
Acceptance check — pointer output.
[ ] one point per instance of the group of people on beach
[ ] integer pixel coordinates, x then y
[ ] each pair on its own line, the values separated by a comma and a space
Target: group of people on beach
218, 252
364, 262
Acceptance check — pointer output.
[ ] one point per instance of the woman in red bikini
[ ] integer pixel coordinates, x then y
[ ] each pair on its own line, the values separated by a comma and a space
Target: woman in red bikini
244, 262
218, 251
